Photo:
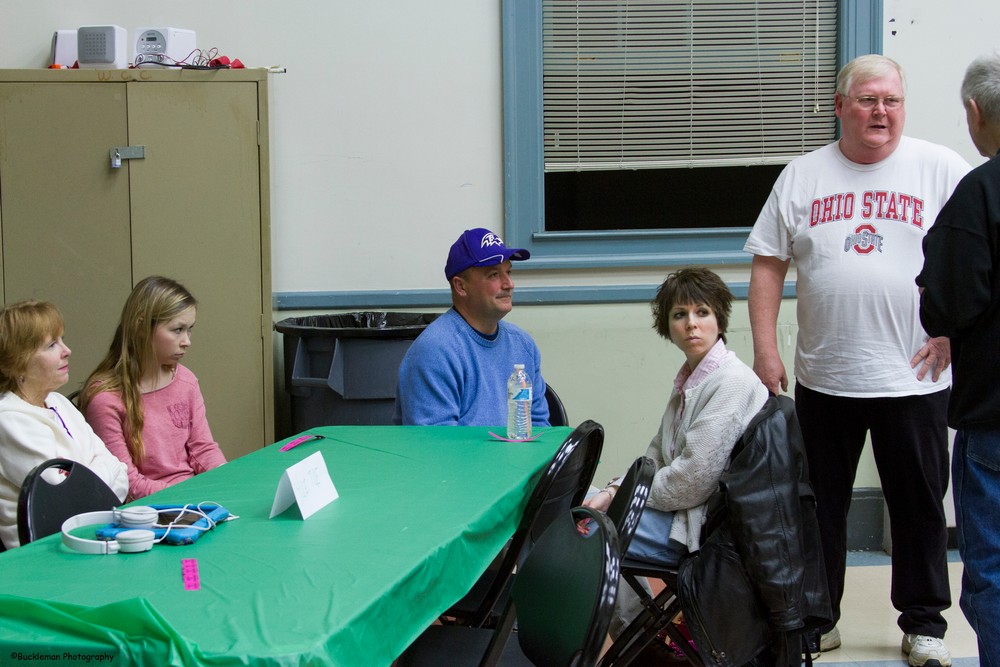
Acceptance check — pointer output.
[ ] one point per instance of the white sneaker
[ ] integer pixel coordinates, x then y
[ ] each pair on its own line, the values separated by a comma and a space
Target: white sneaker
924, 650
830, 640
826, 642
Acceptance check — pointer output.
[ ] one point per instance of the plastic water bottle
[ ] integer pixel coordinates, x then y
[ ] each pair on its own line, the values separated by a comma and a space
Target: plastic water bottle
519, 404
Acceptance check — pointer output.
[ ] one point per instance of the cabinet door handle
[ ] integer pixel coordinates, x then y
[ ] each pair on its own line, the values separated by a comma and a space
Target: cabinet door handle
119, 153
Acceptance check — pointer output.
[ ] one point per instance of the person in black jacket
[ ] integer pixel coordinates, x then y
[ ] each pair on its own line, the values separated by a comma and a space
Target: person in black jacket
960, 298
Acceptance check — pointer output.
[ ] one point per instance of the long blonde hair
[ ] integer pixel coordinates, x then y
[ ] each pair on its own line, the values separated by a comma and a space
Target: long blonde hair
153, 300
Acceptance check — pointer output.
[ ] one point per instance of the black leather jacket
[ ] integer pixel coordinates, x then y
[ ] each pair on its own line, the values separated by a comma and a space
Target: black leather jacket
758, 581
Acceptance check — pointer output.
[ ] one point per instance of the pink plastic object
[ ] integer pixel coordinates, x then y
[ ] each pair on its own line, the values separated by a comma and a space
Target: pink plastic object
503, 439
189, 569
298, 441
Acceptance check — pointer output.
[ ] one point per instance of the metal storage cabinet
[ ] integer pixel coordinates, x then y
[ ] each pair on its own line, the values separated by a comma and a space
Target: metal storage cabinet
195, 208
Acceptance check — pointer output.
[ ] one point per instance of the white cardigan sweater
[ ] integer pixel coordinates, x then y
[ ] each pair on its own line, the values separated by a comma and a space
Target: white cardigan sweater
30, 435
717, 412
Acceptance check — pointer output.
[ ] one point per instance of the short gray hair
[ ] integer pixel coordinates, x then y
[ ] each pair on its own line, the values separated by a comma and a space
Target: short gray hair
865, 68
982, 84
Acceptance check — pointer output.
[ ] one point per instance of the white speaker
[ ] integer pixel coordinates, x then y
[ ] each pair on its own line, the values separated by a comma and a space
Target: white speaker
63, 47
101, 47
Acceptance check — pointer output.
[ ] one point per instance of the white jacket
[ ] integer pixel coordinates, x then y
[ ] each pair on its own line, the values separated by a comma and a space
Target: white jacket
717, 412
30, 435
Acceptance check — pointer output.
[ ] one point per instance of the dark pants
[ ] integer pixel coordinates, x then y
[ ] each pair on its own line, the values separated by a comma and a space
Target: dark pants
910, 443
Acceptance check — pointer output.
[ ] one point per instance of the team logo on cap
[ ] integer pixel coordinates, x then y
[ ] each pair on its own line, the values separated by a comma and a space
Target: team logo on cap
490, 240
864, 240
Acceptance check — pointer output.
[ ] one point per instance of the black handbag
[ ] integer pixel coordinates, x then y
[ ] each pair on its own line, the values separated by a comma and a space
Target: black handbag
720, 604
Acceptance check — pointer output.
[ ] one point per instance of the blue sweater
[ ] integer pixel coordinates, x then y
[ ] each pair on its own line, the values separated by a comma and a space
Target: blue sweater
451, 375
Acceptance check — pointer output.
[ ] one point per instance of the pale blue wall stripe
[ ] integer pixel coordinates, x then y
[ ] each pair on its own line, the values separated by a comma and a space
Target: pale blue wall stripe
385, 299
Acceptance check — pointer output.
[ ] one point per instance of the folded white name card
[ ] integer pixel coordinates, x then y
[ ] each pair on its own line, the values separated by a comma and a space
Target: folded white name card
308, 484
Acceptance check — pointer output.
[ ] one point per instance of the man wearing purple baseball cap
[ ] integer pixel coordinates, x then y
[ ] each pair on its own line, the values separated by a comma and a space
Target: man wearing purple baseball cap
456, 371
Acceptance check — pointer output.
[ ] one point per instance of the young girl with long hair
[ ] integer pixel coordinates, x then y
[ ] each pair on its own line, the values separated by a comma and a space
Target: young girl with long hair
145, 406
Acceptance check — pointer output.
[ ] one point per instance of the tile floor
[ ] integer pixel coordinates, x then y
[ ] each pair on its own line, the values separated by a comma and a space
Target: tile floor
868, 627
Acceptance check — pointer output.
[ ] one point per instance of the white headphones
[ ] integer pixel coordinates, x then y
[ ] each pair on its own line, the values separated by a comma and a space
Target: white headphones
139, 537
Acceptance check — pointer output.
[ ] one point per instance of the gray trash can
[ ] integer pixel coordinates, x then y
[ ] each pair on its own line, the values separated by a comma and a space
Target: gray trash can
343, 369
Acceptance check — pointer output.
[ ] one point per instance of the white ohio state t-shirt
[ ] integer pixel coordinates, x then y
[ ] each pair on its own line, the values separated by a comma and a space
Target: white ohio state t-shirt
855, 234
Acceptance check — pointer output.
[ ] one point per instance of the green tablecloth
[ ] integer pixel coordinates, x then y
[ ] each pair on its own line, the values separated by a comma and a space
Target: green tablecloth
422, 511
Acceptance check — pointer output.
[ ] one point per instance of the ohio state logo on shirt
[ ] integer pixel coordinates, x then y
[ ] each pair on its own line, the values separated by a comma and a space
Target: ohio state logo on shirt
864, 240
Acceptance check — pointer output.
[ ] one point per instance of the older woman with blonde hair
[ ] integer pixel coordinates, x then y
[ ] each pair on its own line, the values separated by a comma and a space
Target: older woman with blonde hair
36, 422
146, 406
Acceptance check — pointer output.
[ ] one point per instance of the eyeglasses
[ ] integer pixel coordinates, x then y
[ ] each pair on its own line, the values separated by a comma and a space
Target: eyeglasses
870, 101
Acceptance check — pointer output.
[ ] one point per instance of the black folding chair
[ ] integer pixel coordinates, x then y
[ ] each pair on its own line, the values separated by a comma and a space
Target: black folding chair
561, 486
42, 507
630, 499
557, 411
562, 600
625, 510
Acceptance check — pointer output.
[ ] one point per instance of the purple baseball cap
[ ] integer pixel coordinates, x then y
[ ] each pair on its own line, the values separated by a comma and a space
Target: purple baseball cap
479, 247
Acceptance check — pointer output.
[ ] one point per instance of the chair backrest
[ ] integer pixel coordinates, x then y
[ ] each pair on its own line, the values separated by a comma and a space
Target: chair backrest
564, 593
630, 499
561, 486
557, 411
74, 397
42, 506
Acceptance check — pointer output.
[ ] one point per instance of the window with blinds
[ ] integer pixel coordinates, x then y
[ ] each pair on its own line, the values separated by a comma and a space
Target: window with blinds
651, 106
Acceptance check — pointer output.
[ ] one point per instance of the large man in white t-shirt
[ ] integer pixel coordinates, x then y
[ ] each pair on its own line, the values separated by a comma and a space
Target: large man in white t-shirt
853, 215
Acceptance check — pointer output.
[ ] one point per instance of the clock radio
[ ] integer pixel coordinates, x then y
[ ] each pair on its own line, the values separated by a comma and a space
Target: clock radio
164, 46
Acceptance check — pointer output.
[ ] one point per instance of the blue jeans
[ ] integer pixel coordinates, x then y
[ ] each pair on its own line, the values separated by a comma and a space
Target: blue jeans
651, 542
976, 477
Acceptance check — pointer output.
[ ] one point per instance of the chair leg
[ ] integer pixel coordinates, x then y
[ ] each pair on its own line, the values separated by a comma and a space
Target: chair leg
629, 644
656, 614
690, 653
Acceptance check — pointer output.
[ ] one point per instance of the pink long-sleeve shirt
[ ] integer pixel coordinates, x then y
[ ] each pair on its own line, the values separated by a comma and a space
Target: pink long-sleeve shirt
177, 440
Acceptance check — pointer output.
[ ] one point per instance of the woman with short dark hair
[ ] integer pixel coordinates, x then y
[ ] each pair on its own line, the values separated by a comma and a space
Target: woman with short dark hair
713, 399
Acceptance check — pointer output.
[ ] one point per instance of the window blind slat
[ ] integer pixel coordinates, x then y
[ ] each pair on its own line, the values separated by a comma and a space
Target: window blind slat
632, 84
